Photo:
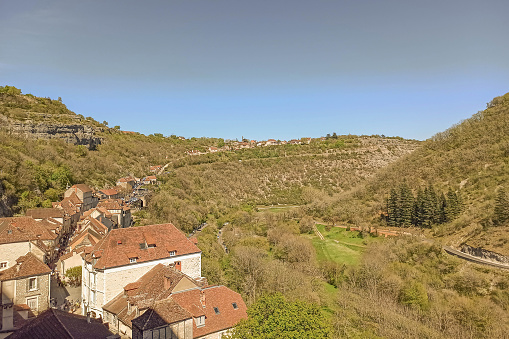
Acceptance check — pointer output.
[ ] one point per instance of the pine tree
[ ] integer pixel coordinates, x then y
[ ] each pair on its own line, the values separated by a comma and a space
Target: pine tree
501, 213
406, 200
443, 206
418, 213
393, 208
452, 209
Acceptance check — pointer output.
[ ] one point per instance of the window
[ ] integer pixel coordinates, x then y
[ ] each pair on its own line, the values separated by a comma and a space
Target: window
132, 260
32, 284
32, 303
200, 321
216, 310
3, 265
173, 253
235, 306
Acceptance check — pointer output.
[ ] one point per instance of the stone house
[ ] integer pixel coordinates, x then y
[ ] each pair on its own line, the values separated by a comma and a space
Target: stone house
120, 212
25, 283
125, 254
166, 303
22, 235
127, 183
110, 193
85, 194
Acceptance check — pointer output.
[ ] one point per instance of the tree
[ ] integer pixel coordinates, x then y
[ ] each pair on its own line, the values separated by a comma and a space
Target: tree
272, 316
501, 212
406, 202
74, 276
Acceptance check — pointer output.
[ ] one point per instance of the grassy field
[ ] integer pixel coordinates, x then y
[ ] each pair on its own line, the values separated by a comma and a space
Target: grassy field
340, 245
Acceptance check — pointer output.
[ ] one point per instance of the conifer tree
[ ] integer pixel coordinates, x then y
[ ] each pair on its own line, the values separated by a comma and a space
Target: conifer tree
501, 213
406, 200
392, 208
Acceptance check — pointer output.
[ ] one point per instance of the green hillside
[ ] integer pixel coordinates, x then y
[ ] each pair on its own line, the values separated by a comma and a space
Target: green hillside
471, 159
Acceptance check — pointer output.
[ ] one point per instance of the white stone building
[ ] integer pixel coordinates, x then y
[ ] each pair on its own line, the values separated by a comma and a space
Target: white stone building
125, 254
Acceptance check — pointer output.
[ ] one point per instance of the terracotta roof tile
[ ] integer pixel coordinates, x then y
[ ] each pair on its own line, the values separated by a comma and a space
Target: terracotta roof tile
219, 297
118, 243
44, 213
110, 191
82, 187
26, 266
111, 204
19, 229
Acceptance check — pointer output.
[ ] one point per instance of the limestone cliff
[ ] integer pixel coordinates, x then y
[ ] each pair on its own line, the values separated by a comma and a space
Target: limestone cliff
76, 134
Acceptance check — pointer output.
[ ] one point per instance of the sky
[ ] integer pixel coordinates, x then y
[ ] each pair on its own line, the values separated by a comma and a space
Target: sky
280, 69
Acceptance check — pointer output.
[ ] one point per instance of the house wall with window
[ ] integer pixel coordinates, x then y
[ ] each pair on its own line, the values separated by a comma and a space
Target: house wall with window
33, 291
109, 282
179, 330
12, 251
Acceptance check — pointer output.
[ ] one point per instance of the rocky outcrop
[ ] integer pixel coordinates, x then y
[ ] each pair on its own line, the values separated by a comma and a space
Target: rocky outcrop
71, 133
484, 254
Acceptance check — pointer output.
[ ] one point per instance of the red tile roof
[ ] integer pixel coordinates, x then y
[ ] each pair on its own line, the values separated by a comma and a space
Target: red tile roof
82, 187
219, 297
19, 229
54, 323
26, 266
43, 213
118, 243
110, 204
109, 192
155, 290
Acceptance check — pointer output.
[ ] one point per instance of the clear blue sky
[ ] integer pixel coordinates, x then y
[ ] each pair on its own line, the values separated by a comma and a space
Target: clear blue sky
261, 69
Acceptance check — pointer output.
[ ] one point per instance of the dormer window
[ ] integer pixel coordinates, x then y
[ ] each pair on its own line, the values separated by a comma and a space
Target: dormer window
200, 321
132, 260
173, 253
119, 242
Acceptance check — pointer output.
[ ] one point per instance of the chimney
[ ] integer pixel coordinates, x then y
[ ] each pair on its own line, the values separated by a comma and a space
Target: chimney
167, 283
202, 298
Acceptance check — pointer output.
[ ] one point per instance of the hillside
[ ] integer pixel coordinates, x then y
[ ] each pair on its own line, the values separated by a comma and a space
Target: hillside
45, 146
472, 159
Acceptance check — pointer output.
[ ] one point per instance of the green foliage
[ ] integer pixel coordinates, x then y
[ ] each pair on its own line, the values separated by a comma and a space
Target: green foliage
426, 209
414, 294
74, 276
501, 211
272, 316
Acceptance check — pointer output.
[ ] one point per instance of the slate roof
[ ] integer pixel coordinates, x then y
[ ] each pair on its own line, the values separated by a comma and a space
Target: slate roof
56, 324
27, 265
20, 229
119, 245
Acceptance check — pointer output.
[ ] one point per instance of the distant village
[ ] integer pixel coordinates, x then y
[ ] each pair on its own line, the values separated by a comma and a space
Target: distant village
136, 282
231, 145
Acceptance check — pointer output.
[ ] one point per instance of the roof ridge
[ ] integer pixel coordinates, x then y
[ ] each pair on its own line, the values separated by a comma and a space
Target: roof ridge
60, 321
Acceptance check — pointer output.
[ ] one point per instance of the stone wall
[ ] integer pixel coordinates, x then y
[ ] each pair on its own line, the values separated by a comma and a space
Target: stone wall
485, 254
42, 292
